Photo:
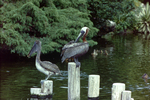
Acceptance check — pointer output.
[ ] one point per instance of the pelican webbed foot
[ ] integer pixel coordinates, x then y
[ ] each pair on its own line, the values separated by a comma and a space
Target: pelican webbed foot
78, 64
42, 81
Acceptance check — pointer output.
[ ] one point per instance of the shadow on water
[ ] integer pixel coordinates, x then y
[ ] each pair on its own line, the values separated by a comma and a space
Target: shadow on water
127, 60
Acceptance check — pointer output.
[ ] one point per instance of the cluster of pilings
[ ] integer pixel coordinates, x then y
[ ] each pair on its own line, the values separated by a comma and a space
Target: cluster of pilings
46, 90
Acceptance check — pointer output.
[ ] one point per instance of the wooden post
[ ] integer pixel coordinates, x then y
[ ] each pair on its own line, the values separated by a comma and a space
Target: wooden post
117, 89
35, 91
93, 86
126, 95
47, 87
45, 91
73, 81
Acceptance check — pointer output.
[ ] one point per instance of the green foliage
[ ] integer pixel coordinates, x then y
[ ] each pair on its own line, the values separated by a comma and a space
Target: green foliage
53, 23
144, 21
137, 3
114, 10
1, 3
125, 21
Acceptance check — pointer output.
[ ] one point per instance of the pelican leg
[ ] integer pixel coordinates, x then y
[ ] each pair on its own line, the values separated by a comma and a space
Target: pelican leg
77, 62
48, 76
42, 81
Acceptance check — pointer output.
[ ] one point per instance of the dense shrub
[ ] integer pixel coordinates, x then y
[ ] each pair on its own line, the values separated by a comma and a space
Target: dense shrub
54, 23
119, 11
143, 20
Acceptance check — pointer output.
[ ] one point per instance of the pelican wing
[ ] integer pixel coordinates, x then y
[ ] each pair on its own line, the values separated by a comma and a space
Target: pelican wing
75, 51
50, 66
68, 45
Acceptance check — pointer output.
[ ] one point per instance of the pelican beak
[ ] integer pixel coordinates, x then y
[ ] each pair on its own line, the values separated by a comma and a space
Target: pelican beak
79, 36
33, 50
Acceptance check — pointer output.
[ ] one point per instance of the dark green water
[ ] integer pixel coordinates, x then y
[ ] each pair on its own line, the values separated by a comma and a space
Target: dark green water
127, 61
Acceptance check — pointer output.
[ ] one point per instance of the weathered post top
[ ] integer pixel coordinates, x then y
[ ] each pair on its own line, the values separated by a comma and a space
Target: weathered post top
119, 84
93, 86
47, 87
46, 90
117, 89
73, 81
126, 95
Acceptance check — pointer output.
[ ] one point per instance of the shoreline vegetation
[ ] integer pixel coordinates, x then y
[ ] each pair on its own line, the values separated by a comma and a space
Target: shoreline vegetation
55, 23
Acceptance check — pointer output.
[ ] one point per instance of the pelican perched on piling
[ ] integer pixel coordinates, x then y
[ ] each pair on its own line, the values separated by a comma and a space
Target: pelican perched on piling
45, 67
74, 49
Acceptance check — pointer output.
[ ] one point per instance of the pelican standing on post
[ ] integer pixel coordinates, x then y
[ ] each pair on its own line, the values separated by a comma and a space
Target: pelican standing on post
45, 67
74, 50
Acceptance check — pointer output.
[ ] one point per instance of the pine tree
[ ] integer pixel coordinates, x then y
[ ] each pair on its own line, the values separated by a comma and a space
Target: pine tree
53, 22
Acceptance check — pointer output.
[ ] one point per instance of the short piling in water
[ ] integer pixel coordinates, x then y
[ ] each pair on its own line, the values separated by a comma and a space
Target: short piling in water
73, 81
117, 89
47, 87
93, 86
45, 91
126, 95
35, 91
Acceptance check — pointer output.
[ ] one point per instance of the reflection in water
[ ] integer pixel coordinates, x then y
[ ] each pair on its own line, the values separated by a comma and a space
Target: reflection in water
40, 99
97, 98
127, 61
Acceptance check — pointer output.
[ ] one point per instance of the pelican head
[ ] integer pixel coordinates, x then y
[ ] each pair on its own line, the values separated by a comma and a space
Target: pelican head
35, 48
84, 31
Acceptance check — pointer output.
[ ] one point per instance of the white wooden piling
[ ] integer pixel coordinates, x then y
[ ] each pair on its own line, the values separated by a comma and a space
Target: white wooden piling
46, 90
117, 89
47, 87
126, 95
73, 81
93, 86
132, 98
35, 91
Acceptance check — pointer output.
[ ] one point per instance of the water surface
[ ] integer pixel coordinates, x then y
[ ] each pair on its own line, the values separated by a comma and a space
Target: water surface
127, 60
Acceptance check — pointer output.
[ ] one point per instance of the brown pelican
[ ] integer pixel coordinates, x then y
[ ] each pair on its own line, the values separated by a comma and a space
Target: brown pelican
74, 50
45, 67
